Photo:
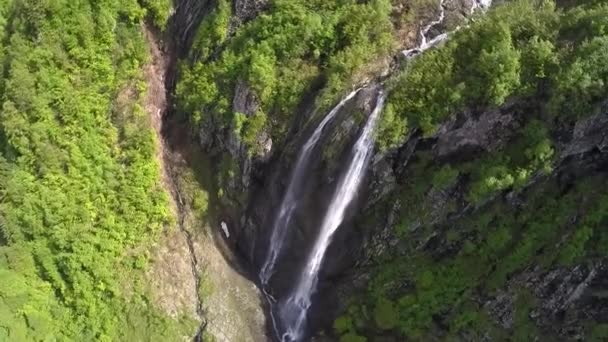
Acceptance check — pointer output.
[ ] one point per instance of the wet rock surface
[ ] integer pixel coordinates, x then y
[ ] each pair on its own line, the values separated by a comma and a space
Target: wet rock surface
185, 21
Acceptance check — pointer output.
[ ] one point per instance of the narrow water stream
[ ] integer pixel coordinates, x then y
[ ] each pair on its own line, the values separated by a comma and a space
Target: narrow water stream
281, 223
292, 312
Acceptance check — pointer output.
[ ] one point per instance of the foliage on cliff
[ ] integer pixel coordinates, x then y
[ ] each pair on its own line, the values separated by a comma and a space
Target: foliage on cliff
80, 192
280, 55
525, 49
550, 62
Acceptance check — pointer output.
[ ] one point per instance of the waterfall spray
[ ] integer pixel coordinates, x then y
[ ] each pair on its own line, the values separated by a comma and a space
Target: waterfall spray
293, 311
281, 223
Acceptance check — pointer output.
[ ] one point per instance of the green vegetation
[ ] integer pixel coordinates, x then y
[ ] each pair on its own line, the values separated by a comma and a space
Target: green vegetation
80, 193
280, 55
551, 62
212, 32
494, 243
81, 201
159, 11
522, 49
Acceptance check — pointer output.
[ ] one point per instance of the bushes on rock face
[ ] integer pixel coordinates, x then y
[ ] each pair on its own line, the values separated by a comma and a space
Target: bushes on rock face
550, 60
584, 81
493, 244
385, 314
212, 32
529, 153
249, 128
524, 48
280, 53
80, 195
391, 129
159, 11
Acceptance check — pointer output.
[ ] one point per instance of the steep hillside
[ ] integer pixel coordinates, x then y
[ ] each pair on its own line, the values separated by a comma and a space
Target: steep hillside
81, 200
483, 211
168, 171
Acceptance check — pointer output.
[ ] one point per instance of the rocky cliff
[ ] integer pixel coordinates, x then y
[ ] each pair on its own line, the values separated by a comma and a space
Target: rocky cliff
485, 227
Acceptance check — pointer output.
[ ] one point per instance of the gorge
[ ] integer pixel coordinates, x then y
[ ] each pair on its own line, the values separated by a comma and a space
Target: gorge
291, 312
303, 170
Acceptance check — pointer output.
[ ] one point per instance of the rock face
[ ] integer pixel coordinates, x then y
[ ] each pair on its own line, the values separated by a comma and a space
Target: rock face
589, 133
568, 295
245, 10
484, 133
185, 21
245, 100
564, 297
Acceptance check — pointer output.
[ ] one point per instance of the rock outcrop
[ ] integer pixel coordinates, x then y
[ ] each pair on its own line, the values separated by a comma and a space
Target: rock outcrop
245, 10
185, 21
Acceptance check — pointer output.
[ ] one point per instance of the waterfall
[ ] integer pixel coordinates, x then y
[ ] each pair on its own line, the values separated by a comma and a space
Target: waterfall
480, 4
424, 31
289, 314
281, 223
293, 311
426, 44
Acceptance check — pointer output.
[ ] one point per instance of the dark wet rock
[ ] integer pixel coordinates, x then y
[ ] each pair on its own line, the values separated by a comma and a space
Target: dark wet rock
245, 102
345, 128
383, 239
245, 10
265, 142
383, 180
589, 133
208, 135
501, 308
186, 20
485, 133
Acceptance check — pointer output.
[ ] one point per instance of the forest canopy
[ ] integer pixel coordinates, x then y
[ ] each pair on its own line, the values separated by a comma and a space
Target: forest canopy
80, 197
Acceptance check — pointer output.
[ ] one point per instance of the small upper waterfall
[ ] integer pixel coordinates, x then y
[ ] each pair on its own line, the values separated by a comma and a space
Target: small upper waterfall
425, 43
423, 33
481, 4
290, 199
294, 309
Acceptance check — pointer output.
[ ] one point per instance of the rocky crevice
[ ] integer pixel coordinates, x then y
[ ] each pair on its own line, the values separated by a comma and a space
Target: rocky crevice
226, 303
156, 74
194, 262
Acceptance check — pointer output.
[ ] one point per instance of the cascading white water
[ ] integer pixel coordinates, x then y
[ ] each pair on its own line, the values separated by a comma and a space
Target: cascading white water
481, 4
290, 199
294, 309
426, 44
